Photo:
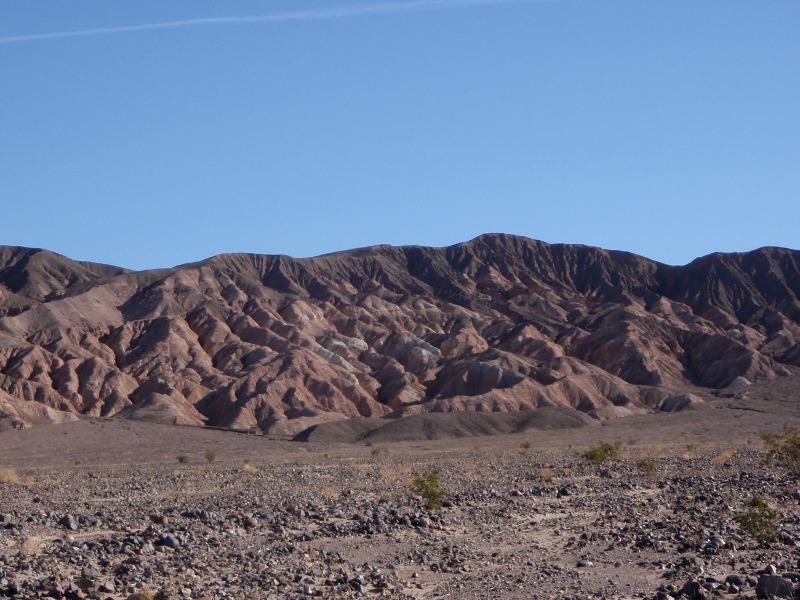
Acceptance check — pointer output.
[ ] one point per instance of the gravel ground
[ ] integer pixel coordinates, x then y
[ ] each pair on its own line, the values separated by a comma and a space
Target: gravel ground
276, 520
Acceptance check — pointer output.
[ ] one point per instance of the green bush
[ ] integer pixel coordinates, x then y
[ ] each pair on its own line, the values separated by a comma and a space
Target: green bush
211, 456
760, 521
784, 448
603, 452
429, 486
647, 465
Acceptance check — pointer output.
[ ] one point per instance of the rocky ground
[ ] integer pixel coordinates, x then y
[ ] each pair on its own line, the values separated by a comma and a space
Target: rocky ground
192, 513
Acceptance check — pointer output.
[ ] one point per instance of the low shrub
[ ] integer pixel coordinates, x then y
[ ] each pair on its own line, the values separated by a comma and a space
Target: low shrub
603, 452
9, 476
647, 465
547, 473
428, 485
784, 448
760, 521
723, 457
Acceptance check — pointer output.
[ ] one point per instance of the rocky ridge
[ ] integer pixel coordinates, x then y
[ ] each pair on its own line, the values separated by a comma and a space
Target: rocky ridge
500, 323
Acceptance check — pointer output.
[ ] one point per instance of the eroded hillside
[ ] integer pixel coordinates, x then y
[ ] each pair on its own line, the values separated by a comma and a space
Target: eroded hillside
499, 323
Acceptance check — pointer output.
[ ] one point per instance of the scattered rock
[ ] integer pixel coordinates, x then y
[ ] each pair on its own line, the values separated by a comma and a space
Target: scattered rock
773, 586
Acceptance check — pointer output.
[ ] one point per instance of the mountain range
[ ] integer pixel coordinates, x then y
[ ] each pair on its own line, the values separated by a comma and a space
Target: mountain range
278, 344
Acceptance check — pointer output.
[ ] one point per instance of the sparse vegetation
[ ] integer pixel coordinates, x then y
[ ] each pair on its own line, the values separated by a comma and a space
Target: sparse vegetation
784, 448
9, 476
429, 486
211, 456
647, 465
183, 458
396, 474
525, 445
547, 473
723, 457
30, 545
760, 521
248, 468
377, 450
603, 452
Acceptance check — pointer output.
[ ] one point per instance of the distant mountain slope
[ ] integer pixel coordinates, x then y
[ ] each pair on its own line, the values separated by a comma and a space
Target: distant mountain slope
499, 323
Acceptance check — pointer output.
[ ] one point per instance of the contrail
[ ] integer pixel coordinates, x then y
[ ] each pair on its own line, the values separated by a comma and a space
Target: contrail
353, 10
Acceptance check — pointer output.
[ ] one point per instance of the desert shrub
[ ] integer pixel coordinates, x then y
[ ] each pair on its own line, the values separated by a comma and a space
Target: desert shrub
784, 448
603, 452
9, 476
183, 458
248, 468
30, 545
211, 456
547, 473
759, 521
647, 465
525, 445
723, 457
429, 486
377, 450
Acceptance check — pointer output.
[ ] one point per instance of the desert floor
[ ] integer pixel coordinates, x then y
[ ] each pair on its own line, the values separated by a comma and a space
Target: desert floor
107, 509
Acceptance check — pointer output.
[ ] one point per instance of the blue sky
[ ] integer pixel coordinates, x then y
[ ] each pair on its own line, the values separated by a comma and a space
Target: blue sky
669, 129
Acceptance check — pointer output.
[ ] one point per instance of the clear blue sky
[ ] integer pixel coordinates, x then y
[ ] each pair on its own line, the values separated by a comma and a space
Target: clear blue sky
669, 129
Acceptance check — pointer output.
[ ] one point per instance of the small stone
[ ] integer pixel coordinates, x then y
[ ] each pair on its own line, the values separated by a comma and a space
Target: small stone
250, 522
68, 522
693, 590
785, 538
171, 542
734, 579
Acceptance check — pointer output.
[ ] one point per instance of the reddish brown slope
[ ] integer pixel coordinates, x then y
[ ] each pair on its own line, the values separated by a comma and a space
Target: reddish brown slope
498, 323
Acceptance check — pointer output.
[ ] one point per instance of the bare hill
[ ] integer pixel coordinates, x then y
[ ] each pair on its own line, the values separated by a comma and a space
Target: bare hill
497, 324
